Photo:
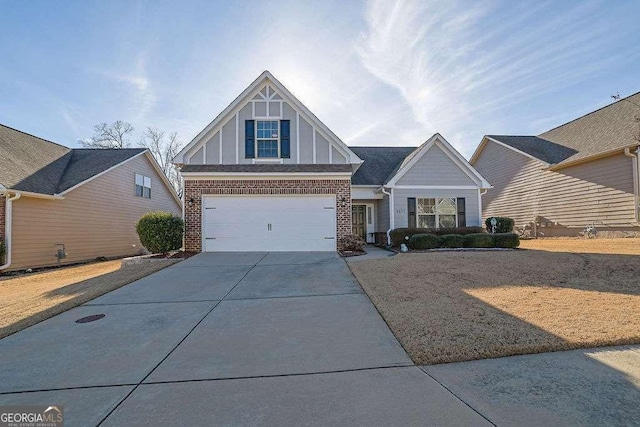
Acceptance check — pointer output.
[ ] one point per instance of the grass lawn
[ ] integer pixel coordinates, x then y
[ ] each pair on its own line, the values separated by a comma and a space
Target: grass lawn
456, 306
31, 298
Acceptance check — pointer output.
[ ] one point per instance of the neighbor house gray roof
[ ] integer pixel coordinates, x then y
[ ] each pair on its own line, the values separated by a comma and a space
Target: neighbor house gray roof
380, 164
609, 128
540, 148
268, 168
29, 163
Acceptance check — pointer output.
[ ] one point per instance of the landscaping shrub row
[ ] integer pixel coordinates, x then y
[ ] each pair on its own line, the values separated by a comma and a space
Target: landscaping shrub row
402, 235
503, 224
475, 240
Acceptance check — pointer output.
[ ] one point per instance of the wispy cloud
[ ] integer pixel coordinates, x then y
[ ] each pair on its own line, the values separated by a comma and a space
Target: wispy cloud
455, 67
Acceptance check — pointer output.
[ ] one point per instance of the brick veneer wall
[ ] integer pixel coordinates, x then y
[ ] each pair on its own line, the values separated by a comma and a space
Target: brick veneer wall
194, 189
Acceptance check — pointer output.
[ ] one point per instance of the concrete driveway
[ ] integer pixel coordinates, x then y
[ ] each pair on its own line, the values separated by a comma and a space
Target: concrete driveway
227, 339
286, 339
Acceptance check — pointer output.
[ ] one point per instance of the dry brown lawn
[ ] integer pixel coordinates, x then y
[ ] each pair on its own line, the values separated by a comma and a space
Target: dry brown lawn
456, 306
626, 246
29, 299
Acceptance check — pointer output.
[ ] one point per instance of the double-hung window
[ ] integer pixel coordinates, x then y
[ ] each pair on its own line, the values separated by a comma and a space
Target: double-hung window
267, 139
437, 213
143, 186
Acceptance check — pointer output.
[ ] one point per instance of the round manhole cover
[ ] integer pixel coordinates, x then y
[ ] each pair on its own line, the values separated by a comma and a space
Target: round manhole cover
91, 318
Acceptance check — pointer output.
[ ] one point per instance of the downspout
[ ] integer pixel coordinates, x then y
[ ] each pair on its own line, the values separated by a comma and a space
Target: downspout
636, 184
7, 229
391, 218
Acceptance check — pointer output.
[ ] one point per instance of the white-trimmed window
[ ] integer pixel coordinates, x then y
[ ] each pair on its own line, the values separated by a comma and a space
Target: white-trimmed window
268, 139
143, 186
437, 213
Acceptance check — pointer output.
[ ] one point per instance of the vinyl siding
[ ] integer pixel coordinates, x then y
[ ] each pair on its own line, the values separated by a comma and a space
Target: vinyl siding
567, 200
435, 168
400, 197
382, 213
96, 219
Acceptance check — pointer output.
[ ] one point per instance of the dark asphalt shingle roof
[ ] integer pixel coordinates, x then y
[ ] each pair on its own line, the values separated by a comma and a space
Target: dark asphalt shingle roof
540, 148
268, 168
29, 163
380, 163
609, 128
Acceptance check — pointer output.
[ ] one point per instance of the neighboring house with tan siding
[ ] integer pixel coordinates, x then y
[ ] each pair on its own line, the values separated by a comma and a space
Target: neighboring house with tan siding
267, 175
582, 173
85, 199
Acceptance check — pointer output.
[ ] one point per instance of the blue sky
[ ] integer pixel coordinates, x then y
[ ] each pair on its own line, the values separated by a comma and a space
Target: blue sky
376, 72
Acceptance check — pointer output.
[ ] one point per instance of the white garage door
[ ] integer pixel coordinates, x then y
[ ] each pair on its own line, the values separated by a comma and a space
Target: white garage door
269, 223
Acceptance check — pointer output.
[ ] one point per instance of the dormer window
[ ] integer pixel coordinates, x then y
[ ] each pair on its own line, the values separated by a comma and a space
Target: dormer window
267, 139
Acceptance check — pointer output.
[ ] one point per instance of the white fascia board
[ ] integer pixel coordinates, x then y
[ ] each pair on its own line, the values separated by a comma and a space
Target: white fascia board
37, 195
437, 187
267, 78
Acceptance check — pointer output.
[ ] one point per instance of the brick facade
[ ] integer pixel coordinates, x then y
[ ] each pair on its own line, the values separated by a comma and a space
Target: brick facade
194, 189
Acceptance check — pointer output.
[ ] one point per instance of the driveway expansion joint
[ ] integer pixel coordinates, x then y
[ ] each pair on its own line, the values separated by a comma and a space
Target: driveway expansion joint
422, 368
177, 345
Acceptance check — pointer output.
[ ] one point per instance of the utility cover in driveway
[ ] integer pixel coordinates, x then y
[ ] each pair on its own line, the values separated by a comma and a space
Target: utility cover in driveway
269, 223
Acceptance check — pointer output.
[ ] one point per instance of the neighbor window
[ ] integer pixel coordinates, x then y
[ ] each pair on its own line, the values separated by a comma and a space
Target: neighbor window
437, 213
143, 186
267, 138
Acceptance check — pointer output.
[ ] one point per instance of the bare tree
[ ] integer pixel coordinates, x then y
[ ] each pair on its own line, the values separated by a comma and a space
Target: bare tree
114, 135
164, 148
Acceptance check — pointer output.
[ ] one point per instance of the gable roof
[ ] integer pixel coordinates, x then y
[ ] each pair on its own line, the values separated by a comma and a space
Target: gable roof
448, 149
606, 130
35, 165
380, 163
266, 78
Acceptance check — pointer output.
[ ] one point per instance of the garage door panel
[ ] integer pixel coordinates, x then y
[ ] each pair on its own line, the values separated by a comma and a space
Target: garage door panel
269, 223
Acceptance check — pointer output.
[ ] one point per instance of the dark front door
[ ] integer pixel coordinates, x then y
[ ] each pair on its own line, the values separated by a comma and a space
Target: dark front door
359, 220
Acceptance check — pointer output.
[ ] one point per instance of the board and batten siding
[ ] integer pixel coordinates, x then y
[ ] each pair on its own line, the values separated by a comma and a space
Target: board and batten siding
435, 168
97, 219
569, 199
310, 140
400, 196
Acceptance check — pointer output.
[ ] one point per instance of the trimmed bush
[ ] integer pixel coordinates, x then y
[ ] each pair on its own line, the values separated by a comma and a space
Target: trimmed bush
452, 241
503, 224
351, 242
402, 235
160, 232
424, 241
479, 240
506, 240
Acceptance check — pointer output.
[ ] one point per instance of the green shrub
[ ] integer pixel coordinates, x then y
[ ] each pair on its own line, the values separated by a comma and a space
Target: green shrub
506, 240
3, 252
424, 241
503, 224
452, 241
160, 232
479, 240
402, 235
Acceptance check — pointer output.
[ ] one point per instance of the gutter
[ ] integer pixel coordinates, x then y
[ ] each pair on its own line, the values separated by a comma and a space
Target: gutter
7, 228
391, 218
636, 183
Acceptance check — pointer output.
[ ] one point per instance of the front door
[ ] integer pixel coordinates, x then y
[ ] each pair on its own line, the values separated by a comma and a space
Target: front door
359, 220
